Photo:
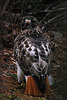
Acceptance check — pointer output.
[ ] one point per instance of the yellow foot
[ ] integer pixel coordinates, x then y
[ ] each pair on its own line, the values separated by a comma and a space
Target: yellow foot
23, 85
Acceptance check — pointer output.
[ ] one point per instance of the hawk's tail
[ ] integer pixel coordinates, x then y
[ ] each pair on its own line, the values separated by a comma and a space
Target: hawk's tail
32, 88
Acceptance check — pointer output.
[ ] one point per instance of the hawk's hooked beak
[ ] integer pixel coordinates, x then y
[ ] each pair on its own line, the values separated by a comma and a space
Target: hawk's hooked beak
27, 21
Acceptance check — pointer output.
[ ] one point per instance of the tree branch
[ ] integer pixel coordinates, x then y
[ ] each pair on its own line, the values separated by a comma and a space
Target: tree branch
6, 3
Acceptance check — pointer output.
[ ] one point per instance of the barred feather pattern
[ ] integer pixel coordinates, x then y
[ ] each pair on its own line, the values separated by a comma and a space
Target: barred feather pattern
32, 51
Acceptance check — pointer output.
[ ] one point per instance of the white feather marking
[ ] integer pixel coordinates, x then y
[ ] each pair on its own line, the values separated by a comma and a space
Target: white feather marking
21, 43
42, 62
28, 42
29, 45
24, 45
44, 49
27, 49
38, 50
43, 46
50, 79
20, 74
26, 78
35, 65
32, 52
47, 44
46, 52
32, 47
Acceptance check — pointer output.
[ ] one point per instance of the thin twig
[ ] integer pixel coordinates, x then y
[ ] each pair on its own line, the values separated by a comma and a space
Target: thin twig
50, 20
6, 3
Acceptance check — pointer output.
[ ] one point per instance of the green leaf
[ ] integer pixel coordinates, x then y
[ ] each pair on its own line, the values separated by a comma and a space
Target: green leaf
12, 75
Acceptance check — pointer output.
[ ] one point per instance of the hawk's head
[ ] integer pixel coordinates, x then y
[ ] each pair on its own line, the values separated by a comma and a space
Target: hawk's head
29, 22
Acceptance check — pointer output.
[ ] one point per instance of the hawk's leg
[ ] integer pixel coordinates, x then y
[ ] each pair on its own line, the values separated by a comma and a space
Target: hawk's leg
20, 74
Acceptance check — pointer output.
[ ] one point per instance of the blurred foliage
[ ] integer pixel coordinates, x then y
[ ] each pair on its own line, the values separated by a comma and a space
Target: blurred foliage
13, 97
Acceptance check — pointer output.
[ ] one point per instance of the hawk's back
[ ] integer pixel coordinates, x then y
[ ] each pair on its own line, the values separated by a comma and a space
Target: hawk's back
32, 52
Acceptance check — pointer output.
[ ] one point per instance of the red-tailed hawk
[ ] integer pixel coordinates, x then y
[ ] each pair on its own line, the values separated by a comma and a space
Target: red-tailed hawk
32, 52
